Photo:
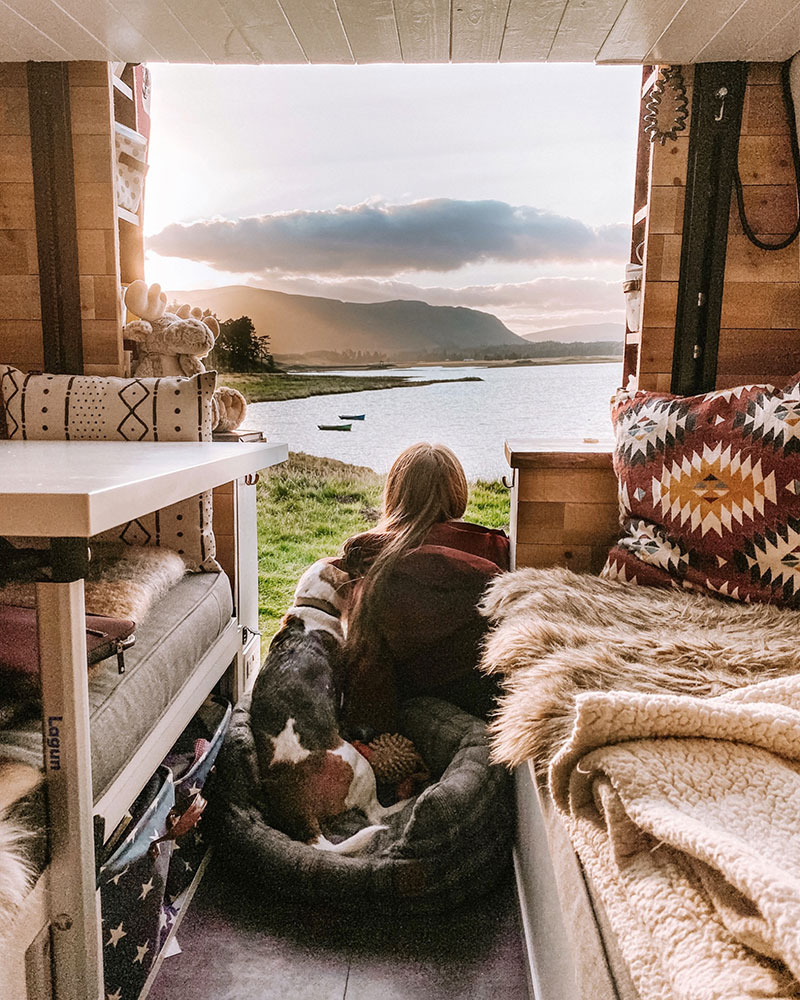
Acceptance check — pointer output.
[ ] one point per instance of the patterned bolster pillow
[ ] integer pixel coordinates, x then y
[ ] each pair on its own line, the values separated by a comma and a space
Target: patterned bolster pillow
90, 408
709, 490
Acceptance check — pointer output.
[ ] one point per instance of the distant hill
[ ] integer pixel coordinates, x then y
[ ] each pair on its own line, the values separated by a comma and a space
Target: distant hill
583, 332
303, 324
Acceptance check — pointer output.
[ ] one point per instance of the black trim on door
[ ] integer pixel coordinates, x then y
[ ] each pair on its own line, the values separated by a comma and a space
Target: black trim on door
713, 149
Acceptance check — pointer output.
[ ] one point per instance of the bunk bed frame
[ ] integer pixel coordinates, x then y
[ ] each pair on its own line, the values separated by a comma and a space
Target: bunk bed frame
62, 910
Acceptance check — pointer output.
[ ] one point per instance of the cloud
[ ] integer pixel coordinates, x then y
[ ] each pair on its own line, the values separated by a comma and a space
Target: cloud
376, 239
548, 294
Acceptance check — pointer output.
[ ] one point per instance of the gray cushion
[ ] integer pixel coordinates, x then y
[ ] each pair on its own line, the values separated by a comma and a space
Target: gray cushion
170, 642
451, 843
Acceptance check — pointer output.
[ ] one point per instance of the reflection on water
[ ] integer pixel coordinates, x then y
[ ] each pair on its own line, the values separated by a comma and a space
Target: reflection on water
473, 418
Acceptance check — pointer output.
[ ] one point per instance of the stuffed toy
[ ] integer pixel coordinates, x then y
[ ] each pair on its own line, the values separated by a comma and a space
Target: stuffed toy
175, 343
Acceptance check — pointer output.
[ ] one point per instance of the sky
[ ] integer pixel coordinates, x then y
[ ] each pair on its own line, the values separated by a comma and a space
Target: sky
506, 188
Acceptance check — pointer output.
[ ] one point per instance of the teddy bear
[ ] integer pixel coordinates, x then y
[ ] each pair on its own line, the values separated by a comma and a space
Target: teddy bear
175, 343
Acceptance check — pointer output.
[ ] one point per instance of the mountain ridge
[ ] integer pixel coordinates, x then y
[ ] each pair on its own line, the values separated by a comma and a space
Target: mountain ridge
304, 324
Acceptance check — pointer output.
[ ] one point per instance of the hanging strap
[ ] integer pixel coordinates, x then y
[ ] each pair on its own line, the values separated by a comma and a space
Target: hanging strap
737, 180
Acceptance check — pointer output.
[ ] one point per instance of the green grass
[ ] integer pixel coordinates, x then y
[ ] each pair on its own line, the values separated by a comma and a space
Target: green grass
269, 388
309, 506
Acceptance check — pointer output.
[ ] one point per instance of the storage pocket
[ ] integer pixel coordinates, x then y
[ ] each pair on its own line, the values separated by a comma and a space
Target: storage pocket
192, 760
132, 882
131, 150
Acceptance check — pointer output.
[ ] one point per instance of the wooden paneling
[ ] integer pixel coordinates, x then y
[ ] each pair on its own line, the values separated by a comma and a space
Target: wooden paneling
477, 30
324, 31
531, 27
690, 30
371, 30
583, 29
95, 200
424, 30
566, 511
318, 28
20, 308
761, 297
775, 40
758, 355
637, 29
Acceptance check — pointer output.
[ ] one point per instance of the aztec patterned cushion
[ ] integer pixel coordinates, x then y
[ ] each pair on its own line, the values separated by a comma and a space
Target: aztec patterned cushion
89, 408
709, 491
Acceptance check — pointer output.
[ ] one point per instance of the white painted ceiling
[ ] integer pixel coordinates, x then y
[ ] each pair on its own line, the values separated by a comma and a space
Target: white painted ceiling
391, 31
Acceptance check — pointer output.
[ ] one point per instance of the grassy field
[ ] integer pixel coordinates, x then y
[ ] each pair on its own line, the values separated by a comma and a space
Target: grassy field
309, 506
269, 388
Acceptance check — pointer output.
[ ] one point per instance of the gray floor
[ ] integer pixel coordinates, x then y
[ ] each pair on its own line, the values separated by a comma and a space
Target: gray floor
239, 948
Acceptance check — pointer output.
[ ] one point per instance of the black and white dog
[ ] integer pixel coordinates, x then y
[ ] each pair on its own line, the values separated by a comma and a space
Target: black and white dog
308, 772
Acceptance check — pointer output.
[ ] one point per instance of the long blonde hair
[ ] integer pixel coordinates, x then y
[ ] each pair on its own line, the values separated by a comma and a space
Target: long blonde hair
425, 486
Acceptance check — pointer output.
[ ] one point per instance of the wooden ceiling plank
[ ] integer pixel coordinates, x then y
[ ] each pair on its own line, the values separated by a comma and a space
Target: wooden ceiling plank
26, 38
264, 30
531, 26
477, 30
583, 30
424, 29
111, 28
371, 30
779, 43
745, 27
73, 32
151, 25
319, 30
691, 30
638, 27
212, 29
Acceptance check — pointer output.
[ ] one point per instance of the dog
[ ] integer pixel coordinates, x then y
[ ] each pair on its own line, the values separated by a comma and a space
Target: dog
308, 772
16, 874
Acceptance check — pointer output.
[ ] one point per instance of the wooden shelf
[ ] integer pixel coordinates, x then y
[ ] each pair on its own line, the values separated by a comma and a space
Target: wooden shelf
126, 216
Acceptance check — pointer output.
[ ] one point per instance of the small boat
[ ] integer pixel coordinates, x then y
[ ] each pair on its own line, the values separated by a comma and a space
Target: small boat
334, 427
352, 416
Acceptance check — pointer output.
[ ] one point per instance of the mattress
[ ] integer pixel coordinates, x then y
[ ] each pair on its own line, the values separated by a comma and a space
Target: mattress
564, 911
125, 707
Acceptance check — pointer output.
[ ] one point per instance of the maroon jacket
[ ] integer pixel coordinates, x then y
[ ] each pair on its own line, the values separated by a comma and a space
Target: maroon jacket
430, 629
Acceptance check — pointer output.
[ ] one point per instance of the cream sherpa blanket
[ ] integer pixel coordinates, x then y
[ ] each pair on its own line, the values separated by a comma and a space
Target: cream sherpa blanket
686, 813
670, 725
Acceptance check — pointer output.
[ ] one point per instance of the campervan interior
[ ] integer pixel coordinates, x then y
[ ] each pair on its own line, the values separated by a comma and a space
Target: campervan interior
713, 304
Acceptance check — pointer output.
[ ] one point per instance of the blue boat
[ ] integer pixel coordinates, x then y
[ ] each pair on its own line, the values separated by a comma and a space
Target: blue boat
352, 416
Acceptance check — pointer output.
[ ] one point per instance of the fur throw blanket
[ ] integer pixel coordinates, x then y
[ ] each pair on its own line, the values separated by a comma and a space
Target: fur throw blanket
124, 580
557, 633
669, 723
16, 876
684, 812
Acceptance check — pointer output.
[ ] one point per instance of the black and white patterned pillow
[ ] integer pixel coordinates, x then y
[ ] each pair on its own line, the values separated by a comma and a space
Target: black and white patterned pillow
41, 407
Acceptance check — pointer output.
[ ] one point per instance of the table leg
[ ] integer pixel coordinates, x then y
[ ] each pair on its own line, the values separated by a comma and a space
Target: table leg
74, 900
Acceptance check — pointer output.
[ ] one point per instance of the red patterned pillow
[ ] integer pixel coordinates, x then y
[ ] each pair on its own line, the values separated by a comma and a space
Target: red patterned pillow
709, 491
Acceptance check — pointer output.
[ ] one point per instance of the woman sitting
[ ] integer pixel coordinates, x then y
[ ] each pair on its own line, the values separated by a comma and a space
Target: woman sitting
413, 627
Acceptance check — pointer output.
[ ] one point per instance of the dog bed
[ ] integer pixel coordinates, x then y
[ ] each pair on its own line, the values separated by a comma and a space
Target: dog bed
451, 843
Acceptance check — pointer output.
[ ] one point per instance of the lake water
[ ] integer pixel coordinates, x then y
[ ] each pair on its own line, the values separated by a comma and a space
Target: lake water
472, 418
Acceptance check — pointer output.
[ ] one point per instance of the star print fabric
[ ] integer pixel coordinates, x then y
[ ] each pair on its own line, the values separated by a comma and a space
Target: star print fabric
132, 884
709, 490
191, 847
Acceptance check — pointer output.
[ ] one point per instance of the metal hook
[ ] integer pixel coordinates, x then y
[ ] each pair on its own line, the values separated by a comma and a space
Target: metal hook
251, 479
722, 93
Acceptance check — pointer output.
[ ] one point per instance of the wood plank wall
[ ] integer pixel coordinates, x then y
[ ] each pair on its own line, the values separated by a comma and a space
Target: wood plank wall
20, 308
565, 510
662, 255
98, 244
760, 323
91, 98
